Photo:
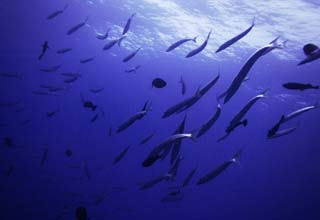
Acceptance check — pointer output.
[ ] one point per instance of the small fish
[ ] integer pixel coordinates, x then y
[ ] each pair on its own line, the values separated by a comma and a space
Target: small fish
104, 36
45, 47
130, 56
11, 75
152, 182
127, 26
96, 90
44, 157
299, 86
81, 213
283, 132
39, 92
133, 70
180, 42
64, 50
188, 178
275, 128
82, 61
86, 170
298, 112
94, 118
71, 74
50, 68
146, 139
172, 198
87, 103
56, 13
25, 122
68, 153
177, 145
52, 113
200, 48
71, 80
183, 86
111, 43
121, 155
77, 27
312, 52
159, 83
205, 127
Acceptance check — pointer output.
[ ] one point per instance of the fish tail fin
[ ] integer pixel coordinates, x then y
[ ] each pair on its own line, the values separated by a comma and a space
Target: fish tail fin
195, 39
120, 40
245, 122
253, 23
278, 45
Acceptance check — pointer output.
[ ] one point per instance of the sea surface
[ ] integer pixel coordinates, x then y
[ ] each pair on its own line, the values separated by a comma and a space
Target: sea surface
60, 149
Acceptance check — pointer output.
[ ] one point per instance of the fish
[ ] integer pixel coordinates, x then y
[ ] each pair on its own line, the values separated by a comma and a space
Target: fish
158, 83
172, 198
205, 127
100, 199
70, 80
188, 178
200, 48
52, 113
45, 47
275, 128
86, 60
152, 182
68, 153
312, 52
155, 154
283, 132
71, 74
127, 26
50, 68
177, 145
220, 169
56, 13
63, 50
94, 118
39, 92
77, 27
146, 139
299, 86
111, 43
104, 36
44, 157
236, 38
11, 75
188, 102
81, 213
298, 112
238, 80
87, 103
96, 90
121, 155
133, 70
137, 116
183, 86
52, 88
25, 122
180, 42
130, 56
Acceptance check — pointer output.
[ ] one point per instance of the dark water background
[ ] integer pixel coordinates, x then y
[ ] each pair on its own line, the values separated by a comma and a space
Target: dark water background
276, 179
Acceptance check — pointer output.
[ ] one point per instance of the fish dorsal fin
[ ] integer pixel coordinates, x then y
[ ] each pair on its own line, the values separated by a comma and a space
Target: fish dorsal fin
308, 49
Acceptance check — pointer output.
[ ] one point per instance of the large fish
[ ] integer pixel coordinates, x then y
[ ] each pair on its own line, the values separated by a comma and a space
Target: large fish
236, 83
236, 38
180, 42
200, 48
312, 52
77, 27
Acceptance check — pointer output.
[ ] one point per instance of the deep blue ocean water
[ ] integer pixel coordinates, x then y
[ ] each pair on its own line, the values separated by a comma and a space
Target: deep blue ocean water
274, 178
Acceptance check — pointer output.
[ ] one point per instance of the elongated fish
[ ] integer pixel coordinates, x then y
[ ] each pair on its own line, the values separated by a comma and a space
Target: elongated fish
275, 128
94, 118
217, 171
188, 178
146, 139
299, 86
45, 47
236, 38
127, 26
96, 90
44, 157
71, 79
86, 60
187, 103
183, 86
111, 43
50, 68
11, 75
205, 127
64, 50
105, 36
312, 52
180, 42
139, 115
121, 155
77, 27
298, 112
152, 182
133, 69
283, 132
174, 169
130, 56
56, 13
200, 48
236, 83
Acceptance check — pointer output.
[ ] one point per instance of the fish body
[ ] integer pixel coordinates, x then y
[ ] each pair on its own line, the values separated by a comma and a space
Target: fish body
299, 86
183, 86
200, 48
121, 155
146, 139
64, 50
128, 24
45, 47
180, 42
82, 61
188, 178
205, 127
50, 68
298, 112
133, 70
105, 36
56, 13
130, 56
77, 27
283, 132
111, 43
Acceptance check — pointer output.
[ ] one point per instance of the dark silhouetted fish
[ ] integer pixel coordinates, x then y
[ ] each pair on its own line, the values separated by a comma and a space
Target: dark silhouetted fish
177, 145
11, 75
68, 153
104, 36
86, 60
121, 155
39, 92
312, 52
133, 70
71, 74
180, 42
94, 118
183, 86
96, 90
159, 83
275, 128
45, 47
44, 157
200, 48
238, 80
110, 131
187, 103
130, 56
111, 43
153, 182
70, 80
64, 50
50, 68
298, 112
127, 26
205, 127
139, 115
188, 178
172, 197
283, 132
77, 27
81, 213
52, 113
172, 174
146, 139
56, 13
217, 171
236, 38
299, 86
8, 142
87, 103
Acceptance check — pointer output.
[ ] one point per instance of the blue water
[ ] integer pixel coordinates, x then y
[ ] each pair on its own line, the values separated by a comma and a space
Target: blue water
274, 179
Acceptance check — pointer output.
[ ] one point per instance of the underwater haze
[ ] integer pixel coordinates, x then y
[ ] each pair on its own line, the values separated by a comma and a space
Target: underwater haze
159, 109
